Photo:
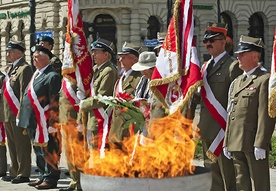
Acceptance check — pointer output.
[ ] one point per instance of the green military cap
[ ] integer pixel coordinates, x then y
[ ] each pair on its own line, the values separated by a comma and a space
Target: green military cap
46, 39
248, 44
103, 44
160, 37
129, 48
13, 44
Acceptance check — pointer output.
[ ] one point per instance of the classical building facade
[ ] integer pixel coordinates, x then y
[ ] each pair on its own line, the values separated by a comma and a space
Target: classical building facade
135, 21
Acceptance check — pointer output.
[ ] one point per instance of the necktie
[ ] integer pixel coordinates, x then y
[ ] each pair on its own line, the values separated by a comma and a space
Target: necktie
210, 66
11, 67
244, 77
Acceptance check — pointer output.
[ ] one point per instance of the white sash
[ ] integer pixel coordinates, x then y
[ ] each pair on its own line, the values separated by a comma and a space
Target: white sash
41, 136
10, 96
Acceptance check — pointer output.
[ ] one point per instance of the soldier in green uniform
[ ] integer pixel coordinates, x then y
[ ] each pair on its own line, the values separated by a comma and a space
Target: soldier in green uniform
103, 81
68, 112
48, 43
19, 144
249, 128
127, 83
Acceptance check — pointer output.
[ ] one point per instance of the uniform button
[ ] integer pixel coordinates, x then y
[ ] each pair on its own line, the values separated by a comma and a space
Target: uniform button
235, 103
233, 110
233, 118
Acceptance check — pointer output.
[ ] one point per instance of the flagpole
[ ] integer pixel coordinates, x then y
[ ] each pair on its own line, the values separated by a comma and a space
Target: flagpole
218, 10
32, 27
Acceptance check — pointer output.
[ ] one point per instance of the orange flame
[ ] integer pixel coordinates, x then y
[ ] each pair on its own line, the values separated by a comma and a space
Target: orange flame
168, 152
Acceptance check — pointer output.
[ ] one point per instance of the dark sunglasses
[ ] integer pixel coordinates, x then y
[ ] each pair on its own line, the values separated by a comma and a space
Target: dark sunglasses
211, 40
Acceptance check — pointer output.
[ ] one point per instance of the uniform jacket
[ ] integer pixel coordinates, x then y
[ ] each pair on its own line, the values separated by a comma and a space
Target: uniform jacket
129, 86
2, 76
46, 86
248, 122
66, 110
104, 81
20, 76
219, 79
56, 64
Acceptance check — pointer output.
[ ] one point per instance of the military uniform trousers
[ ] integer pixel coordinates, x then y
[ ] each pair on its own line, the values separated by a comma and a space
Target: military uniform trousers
223, 175
73, 170
19, 145
251, 174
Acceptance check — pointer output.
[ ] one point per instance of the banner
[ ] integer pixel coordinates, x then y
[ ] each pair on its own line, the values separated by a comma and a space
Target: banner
77, 62
177, 72
272, 82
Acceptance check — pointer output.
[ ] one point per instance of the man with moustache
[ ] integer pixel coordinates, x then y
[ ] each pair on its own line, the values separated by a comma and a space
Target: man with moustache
39, 114
15, 83
217, 73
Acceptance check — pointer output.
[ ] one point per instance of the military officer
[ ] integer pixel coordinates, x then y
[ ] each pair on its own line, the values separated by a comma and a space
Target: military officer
16, 81
72, 138
218, 73
249, 127
48, 43
160, 37
127, 83
104, 78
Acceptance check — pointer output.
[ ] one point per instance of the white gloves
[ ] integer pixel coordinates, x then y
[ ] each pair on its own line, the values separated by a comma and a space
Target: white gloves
259, 153
16, 121
81, 104
80, 95
52, 129
80, 127
226, 153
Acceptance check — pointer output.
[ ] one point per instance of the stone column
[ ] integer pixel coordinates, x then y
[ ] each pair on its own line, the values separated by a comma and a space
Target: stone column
134, 27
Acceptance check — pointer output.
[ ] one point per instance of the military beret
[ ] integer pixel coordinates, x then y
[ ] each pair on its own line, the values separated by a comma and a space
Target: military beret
42, 49
248, 44
16, 45
46, 39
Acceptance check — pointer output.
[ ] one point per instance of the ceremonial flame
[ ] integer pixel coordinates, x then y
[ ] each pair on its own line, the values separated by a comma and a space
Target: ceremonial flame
167, 151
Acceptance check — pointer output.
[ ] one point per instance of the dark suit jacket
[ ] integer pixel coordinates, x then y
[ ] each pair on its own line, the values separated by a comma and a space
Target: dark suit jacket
20, 76
46, 87
219, 79
129, 86
248, 123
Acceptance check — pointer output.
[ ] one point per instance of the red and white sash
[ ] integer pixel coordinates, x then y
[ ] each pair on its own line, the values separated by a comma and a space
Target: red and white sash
2, 134
219, 114
70, 94
104, 119
41, 136
10, 96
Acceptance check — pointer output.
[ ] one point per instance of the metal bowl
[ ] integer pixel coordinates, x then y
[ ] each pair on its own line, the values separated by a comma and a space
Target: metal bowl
201, 180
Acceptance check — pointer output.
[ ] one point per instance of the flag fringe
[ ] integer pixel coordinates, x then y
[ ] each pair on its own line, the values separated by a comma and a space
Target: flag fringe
272, 103
41, 144
211, 156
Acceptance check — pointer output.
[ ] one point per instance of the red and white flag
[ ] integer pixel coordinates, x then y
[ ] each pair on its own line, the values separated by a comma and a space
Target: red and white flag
177, 72
272, 82
77, 62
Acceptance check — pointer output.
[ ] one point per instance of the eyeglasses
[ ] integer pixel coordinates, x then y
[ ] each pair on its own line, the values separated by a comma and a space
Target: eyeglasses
211, 40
